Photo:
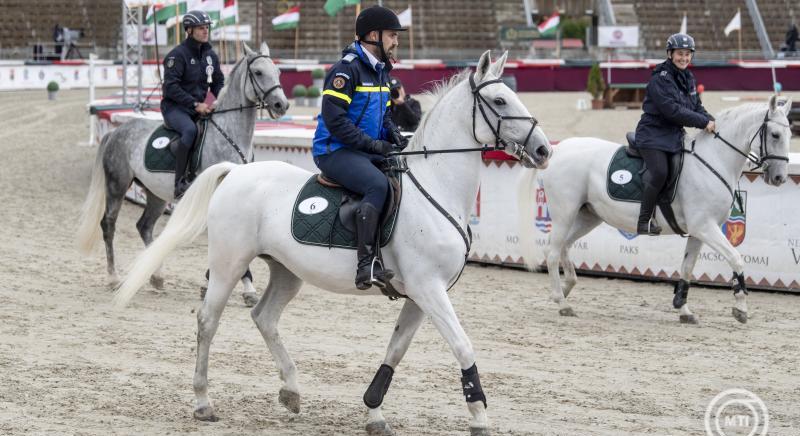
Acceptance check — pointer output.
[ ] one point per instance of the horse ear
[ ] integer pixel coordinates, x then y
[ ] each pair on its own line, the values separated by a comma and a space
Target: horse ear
484, 63
773, 103
499, 65
264, 49
787, 106
247, 50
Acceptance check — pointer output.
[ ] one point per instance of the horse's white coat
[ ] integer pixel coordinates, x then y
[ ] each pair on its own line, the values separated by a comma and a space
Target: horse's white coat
249, 214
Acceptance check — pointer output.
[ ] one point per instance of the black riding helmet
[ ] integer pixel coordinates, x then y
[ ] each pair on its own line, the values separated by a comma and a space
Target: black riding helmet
679, 41
194, 19
377, 18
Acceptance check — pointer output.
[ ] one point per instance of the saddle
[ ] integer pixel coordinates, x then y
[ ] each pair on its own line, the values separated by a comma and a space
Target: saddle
624, 179
159, 155
325, 212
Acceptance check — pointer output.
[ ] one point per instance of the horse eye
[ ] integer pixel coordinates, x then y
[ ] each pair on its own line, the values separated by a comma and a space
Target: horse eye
258, 73
776, 135
499, 101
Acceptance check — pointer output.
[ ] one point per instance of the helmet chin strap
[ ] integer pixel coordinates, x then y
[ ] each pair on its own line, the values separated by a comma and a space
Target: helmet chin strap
379, 44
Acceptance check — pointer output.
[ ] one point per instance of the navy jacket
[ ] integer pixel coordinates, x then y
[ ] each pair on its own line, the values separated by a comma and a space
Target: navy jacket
355, 103
670, 103
186, 70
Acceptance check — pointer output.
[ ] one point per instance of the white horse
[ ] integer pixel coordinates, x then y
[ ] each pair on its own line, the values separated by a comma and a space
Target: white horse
578, 201
249, 215
254, 80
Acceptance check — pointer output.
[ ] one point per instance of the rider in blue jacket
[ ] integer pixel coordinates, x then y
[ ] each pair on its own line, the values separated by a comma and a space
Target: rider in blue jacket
190, 70
355, 131
670, 104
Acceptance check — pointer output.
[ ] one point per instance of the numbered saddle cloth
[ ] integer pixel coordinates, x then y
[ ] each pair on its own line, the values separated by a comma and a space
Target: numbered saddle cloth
158, 155
316, 217
624, 178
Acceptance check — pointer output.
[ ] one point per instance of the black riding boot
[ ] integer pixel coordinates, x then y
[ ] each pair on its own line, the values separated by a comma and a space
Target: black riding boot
181, 161
370, 270
646, 224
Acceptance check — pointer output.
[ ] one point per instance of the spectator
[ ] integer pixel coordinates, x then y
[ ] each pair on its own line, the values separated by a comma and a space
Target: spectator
405, 110
791, 39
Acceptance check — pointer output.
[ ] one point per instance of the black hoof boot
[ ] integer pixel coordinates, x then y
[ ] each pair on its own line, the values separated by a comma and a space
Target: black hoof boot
180, 187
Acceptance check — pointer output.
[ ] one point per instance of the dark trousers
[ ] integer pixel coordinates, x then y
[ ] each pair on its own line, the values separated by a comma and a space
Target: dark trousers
184, 123
357, 171
657, 162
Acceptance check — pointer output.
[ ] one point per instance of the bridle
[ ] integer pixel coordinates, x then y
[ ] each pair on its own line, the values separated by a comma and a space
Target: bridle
479, 102
757, 161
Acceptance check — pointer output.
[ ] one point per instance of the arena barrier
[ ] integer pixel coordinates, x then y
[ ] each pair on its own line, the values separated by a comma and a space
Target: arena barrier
537, 75
767, 233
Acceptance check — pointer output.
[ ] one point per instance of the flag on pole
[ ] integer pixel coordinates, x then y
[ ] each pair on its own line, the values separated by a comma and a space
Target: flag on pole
683, 24
332, 7
405, 17
735, 24
212, 7
550, 25
288, 20
164, 10
229, 14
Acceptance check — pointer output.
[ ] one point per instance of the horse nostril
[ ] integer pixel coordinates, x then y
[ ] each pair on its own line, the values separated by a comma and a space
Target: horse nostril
277, 105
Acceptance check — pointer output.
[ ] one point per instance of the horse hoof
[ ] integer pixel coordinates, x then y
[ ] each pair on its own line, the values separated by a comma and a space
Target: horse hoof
205, 414
290, 400
478, 431
250, 299
203, 290
567, 311
113, 282
157, 282
379, 428
740, 316
689, 319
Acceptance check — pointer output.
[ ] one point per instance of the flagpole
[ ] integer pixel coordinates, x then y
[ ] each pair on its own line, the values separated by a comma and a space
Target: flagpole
296, 39
411, 32
177, 22
739, 11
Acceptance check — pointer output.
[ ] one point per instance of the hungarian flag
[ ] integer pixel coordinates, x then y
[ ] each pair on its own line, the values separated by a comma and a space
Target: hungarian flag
550, 25
229, 14
288, 20
332, 7
211, 7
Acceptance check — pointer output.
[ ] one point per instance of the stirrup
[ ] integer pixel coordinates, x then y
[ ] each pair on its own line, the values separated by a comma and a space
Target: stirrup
379, 282
653, 229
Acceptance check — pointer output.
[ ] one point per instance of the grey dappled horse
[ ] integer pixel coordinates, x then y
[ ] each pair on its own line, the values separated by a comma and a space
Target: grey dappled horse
253, 81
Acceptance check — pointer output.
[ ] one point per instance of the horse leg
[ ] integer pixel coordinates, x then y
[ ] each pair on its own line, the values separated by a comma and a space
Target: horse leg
407, 325
117, 183
152, 212
250, 296
282, 288
584, 223
225, 273
717, 241
562, 226
693, 246
437, 306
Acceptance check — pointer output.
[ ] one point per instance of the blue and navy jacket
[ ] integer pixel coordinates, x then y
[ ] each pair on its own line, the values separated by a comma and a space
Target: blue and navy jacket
186, 78
355, 103
670, 103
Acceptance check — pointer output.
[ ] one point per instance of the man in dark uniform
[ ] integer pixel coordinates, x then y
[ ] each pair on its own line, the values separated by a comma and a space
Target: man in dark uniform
406, 111
670, 103
190, 70
355, 131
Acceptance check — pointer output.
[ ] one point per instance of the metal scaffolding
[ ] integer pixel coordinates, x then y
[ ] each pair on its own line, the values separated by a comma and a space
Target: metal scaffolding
131, 55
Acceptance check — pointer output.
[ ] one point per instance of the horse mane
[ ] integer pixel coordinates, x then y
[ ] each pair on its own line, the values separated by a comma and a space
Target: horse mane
735, 114
439, 89
232, 74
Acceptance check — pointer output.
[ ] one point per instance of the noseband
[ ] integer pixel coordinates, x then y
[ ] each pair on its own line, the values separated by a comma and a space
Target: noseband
479, 102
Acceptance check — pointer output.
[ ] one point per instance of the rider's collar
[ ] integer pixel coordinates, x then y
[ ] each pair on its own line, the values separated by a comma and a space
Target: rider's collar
195, 45
373, 61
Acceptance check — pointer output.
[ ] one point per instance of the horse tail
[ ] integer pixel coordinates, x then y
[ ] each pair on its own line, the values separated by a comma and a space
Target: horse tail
187, 222
526, 203
88, 233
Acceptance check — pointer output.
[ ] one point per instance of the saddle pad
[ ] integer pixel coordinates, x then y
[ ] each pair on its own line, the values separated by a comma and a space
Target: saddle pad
158, 157
624, 178
315, 218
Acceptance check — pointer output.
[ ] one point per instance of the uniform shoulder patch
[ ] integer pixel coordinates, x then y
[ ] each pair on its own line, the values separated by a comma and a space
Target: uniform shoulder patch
349, 58
338, 82
170, 62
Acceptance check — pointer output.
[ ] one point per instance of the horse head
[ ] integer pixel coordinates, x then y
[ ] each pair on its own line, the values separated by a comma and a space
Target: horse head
262, 83
500, 118
775, 135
